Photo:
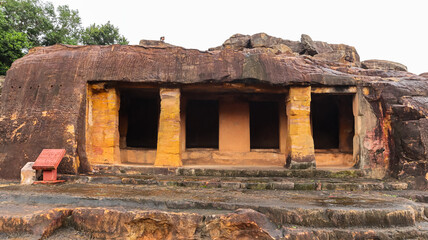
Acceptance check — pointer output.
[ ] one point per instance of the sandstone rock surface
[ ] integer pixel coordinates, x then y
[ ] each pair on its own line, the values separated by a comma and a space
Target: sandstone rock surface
154, 44
383, 65
425, 75
43, 103
1, 83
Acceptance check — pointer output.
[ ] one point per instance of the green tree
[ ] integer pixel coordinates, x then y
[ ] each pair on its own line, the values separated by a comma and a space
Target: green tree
30, 23
105, 34
11, 44
31, 17
66, 27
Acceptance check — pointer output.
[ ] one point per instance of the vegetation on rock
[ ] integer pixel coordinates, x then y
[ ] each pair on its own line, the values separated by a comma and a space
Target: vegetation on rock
30, 23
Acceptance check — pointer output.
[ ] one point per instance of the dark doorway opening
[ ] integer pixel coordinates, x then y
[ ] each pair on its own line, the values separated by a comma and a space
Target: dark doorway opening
332, 122
139, 119
202, 124
264, 125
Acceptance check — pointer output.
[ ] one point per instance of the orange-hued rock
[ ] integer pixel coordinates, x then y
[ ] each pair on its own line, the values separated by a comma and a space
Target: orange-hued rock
169, 147
299, 140
383, 65
102, 123
107, 223
45, 98
245, 224
40, 224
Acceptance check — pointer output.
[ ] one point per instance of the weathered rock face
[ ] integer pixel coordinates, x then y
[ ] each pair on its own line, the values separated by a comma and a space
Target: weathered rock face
383, 65
1, 83
43, 104
425, 75
154, 44
105, 223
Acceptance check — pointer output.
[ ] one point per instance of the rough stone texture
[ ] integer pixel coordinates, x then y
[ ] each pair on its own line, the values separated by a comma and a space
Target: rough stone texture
242, 224
105, 223
169, 146
300, 143
1, 83
102, 125
28, 174
237, 42
425, 75
44, 99
308, 45
154, 44
383, 65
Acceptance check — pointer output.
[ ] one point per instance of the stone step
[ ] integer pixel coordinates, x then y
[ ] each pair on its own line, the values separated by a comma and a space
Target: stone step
299, 233
229, 171
284, 209
260, 183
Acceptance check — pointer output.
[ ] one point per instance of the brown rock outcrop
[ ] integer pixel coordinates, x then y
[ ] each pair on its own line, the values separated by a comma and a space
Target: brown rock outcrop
243, 224
1, 83
107, 223
43, 103
383, 65
154, 44
425, 75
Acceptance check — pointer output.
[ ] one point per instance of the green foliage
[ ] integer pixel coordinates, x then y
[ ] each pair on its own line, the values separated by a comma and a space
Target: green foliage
105, 34
11, 44
66, 27
30, 23
30, 17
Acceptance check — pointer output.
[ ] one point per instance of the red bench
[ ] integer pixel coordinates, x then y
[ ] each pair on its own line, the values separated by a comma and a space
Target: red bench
48, 162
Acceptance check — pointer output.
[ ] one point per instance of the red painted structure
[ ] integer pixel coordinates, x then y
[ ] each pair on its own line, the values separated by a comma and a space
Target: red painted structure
48, 162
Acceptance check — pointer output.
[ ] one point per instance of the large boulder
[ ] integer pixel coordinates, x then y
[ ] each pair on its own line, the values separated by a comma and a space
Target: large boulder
237, 42
383, 65
339, 53
263, 40
154, 44
310, 47
425, 74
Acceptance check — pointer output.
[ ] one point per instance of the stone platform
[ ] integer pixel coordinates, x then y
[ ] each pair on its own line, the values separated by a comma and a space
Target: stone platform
238, 177
125, 211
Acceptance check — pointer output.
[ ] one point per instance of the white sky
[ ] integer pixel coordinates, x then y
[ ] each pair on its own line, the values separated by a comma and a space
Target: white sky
380, 29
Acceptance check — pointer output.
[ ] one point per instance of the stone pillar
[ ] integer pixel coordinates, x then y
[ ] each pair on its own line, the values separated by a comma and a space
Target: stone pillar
299, 139
102, 137
169, 147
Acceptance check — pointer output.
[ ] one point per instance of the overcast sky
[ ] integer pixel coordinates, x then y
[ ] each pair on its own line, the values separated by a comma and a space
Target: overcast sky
379, 29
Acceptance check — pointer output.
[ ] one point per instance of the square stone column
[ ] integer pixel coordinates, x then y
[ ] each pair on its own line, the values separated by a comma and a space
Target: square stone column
169, 148
102, 136
300, 143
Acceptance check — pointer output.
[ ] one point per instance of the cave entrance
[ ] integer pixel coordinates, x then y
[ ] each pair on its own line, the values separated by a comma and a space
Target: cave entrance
138, 125
332, 129
202, 124
264, 125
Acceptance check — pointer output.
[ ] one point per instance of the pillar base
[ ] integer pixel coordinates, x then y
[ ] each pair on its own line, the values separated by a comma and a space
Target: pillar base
300, 162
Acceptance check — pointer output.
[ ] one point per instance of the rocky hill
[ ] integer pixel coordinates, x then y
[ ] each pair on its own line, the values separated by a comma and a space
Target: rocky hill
43, 103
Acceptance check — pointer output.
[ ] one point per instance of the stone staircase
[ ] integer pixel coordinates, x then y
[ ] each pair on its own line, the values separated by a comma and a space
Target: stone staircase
215, 203
258, 178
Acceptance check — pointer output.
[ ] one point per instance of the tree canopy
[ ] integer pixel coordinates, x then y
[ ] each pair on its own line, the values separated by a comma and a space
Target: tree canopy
30, 23
102, 35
